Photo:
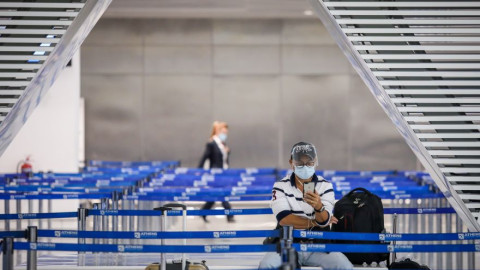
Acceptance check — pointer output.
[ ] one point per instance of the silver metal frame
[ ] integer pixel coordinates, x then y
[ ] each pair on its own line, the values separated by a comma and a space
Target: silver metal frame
356, 58
53, 65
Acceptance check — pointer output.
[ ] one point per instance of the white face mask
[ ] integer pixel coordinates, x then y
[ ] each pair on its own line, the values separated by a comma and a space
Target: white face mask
304, 172
222, 137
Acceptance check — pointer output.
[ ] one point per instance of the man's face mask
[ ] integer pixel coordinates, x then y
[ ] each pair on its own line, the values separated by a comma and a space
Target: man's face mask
304, 172
304, 160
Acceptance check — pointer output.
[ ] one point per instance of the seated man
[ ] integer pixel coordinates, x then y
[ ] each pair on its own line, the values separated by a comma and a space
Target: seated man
310, 212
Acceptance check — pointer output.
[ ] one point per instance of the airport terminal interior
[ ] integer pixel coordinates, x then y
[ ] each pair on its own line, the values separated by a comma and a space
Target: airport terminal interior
239, 134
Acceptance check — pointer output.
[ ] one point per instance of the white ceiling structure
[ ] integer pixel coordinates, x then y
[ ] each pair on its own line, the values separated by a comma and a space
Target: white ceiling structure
37, 39
421, 61
209, 9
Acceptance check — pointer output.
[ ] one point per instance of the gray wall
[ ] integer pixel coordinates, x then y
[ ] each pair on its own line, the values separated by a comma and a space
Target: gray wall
153, 88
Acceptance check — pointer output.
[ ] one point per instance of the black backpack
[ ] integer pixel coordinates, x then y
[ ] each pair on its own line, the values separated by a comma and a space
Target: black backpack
360, 211
407, 264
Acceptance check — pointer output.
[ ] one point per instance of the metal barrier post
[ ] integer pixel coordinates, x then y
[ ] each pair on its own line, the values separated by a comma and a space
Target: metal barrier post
422, 227
49, 221
459, 255
96, 227
40, 210
7, 211
19, 228
32, 235
471, 256
439, 221
430, 204
289, 260
394, 230
115, 199
131, 206
96, 222
184, 258
163, 256
30, 210
82, 225
7, 251
104, 206
449, 227
413, 220
125, 207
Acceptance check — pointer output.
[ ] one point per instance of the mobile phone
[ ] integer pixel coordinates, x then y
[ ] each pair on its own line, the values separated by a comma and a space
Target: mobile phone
310, 186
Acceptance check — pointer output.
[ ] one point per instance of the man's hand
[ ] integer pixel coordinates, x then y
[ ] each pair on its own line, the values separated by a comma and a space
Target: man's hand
333, 220
313, 199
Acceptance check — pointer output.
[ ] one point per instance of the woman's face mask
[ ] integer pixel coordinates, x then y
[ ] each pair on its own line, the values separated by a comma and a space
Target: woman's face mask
304, 172
222, 137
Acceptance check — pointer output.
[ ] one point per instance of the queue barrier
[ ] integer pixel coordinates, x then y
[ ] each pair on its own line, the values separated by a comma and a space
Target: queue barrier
362, 248
152, 197
358, 248
285, 244
107, 163
301, 234
258, 211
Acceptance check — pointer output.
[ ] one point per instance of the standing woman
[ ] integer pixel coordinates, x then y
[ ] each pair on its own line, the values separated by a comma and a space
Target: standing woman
217, 153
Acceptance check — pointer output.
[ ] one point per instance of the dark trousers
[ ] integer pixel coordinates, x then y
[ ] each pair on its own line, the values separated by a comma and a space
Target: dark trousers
226, 205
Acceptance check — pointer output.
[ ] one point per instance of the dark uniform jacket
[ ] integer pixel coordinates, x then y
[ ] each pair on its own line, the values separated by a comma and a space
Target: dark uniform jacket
214, 154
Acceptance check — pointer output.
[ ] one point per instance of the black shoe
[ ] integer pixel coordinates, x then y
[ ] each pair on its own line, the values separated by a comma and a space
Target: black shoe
230, 220
205, 219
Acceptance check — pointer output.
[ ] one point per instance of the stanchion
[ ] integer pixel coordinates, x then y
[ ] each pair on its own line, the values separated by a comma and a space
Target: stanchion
19, 228
50, 210
40, 210
422, 228
96, 227
413, 219
115, 199
459, 256
439, 222
32, 235
7, 211
7, 252
288, 254
449, 227
430, 204
96, 221
30, 210
471, 257
394, 230
125, 206
131, 206
104, 206
184, 216
82, 225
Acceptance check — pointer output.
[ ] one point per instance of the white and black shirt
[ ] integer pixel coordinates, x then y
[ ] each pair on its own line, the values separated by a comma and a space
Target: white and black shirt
288, 199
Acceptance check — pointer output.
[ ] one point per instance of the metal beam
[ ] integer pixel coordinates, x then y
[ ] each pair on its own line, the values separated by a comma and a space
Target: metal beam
356, 54
51, 68
40, 5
